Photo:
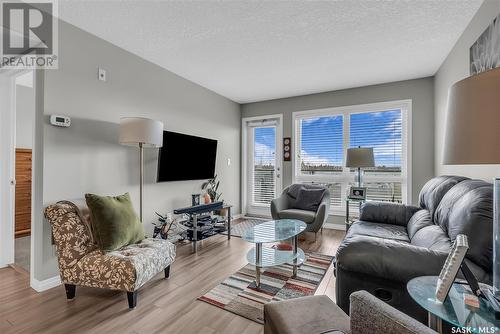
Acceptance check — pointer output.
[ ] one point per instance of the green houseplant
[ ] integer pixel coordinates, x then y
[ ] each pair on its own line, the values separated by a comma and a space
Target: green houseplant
212, 187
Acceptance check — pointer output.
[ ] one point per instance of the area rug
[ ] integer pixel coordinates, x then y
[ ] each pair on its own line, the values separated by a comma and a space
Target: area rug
238, 293
238, 229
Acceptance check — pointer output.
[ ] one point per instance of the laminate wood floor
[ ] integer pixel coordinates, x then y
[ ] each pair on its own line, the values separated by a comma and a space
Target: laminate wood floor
163, 306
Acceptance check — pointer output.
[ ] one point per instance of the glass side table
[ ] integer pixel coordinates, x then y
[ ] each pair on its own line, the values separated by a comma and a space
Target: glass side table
453, 310
269, 232
348, 220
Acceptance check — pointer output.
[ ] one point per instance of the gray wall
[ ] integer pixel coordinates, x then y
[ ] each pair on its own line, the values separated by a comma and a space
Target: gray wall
420, 91
456, 68
25, 114
87, 157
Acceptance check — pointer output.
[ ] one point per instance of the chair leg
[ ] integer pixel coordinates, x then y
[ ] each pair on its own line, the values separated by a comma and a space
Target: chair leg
167, 272
315, 235
70, 290
132, 299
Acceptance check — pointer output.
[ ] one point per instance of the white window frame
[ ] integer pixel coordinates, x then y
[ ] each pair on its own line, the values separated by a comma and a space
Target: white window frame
347, 176
245, 161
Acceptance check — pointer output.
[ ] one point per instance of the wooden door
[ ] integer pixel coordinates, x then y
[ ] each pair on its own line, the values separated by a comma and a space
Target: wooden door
23, 192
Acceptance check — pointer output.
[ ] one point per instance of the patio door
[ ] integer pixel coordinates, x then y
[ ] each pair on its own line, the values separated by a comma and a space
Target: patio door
263, 164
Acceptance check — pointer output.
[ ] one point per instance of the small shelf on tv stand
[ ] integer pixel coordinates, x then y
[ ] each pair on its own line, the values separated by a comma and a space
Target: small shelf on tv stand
197, 210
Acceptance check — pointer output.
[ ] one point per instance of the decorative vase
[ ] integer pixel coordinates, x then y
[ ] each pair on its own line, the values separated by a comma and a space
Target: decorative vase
206, 198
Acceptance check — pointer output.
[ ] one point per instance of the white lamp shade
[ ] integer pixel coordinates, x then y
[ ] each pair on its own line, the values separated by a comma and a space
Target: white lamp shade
360, 157
138, 130
473, 121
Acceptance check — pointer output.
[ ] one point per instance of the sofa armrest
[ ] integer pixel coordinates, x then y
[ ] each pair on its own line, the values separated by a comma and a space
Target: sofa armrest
387, 212
371, 315
278, 204
389, 259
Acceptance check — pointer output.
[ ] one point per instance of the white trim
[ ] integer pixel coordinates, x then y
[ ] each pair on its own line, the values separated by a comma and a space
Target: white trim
8, 138
244, 154
7, 248
332, 226
238, 216
7, 153
46, 284
406, 108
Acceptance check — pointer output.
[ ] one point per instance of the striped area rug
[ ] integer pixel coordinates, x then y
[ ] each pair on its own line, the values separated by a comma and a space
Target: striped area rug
238, 293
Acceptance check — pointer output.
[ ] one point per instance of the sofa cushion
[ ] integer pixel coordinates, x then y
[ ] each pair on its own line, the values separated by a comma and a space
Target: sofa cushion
433, 191
419, 220
388, 259
125, 269
304, 215
387, 212
467, 208
432, 237
309, 199
305, 315
386, 231
114, 221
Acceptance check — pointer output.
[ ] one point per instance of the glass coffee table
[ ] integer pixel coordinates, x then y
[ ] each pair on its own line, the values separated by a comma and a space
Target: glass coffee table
274, 231
453, 310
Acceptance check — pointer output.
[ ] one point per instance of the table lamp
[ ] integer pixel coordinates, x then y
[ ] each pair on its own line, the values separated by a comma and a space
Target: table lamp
141, 132
360, 157
473, 137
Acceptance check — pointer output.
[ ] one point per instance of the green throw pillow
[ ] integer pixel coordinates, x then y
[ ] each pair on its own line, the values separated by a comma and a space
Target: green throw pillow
114, 221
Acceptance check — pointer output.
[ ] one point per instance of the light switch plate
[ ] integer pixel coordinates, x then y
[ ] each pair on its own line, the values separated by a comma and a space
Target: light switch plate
101, 74
229, 161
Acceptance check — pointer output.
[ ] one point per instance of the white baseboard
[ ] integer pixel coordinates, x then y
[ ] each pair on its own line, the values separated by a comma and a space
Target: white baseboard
240, 215
46, 284
340, 227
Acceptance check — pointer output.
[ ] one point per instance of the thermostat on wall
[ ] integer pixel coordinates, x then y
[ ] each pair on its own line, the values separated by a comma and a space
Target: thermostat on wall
59, 120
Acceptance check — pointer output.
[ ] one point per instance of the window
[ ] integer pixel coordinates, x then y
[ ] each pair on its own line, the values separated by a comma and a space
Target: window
323, 136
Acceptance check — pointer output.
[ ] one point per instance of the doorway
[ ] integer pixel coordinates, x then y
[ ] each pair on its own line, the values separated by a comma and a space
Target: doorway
18, 118
24, 115
262, 146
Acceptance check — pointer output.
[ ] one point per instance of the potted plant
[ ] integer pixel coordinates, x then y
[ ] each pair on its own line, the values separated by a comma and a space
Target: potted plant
212, 189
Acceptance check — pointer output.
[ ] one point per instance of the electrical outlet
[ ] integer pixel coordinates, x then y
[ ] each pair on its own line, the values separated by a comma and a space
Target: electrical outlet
101, 74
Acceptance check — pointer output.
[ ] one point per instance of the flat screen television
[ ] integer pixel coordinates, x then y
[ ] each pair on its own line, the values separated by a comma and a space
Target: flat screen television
184, 157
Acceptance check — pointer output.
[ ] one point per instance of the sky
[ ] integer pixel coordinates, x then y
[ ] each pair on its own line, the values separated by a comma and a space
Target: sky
322, 138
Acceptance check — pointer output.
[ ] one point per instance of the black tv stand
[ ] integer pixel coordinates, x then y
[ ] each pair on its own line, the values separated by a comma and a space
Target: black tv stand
195, 211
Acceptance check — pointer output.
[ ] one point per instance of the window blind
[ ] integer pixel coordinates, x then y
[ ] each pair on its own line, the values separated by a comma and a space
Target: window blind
381, 130
264, 185
321, 143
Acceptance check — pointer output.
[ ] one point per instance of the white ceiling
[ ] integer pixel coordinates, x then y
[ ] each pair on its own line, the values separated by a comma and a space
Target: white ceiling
258, 50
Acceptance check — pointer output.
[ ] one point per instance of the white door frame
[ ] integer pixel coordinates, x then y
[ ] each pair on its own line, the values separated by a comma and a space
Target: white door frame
7, 171
244, 156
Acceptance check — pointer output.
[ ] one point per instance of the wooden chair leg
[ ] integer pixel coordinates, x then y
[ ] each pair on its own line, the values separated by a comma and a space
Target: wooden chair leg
167, 272
70, 290
132, 299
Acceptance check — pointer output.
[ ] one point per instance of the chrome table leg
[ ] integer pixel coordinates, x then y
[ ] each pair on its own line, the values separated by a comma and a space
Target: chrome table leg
258, 263
295, 242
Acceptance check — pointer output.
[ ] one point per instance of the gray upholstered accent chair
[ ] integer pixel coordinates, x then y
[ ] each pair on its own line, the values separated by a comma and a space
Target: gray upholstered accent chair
320, 315
306, 202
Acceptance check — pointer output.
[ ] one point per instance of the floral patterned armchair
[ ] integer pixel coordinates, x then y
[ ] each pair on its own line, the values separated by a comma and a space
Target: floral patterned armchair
81, 262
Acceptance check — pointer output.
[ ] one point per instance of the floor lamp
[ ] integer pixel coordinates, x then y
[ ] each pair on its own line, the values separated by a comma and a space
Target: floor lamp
472, 137
141, 132
360, 157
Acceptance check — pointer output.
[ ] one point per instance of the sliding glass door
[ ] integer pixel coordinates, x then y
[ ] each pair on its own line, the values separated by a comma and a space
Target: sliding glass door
263, 165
